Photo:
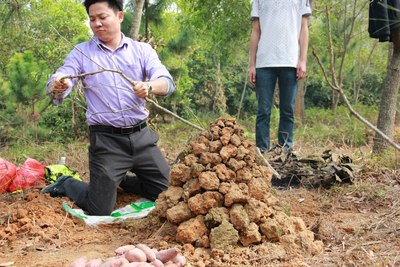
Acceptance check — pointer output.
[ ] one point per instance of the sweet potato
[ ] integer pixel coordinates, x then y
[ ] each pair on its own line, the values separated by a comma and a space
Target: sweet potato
94, 263
150, 254
114, 262
121, 250
166, 255
80, 262
135, 255
137, 264
180, 260
157, 263
171, 264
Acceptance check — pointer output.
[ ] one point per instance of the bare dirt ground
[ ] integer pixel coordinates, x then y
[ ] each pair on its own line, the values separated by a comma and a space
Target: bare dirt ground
359, 225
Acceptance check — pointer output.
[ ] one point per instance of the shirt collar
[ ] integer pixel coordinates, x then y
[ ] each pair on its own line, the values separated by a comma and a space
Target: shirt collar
124, 41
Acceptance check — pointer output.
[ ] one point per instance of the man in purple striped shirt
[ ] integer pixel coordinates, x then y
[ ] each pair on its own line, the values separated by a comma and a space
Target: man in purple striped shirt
120, 140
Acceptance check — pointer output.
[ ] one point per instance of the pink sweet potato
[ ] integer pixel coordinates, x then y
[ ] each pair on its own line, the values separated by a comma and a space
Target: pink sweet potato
114, 262
132, 264
166, 255
150, 254
137, 264
157, 263
135, 255
180, 260
80, 262
94, 263
171, 264
121, 250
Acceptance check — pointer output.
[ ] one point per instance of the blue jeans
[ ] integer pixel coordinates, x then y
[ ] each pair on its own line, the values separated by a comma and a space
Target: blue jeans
265, 86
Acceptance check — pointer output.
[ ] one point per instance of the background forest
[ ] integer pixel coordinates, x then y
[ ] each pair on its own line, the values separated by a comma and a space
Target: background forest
204, 44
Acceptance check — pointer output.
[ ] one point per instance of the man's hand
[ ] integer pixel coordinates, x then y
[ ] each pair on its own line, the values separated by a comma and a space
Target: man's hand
141, 89
252, 76
59, 86
301, 70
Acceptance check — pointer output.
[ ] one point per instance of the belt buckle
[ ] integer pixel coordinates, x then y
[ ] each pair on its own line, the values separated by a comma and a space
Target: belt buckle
127, 130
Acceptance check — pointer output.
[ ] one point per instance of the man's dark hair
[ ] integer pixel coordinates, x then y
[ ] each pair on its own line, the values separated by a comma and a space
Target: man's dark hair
117, 5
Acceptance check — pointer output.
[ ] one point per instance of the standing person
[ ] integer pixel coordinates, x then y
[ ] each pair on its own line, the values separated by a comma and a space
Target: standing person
278, 51
120, 140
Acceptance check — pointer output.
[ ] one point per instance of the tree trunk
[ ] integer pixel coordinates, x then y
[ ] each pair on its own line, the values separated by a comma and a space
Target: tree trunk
219, 101
242, 97
361, 72
299, 105
147, 28
335, 101
397, 118
137, 18
387, 111
390, 54
356, 91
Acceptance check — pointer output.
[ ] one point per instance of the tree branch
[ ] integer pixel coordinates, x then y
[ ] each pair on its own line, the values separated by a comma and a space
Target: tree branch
102, 69
266, 163
352, 111
331, 85
80, 76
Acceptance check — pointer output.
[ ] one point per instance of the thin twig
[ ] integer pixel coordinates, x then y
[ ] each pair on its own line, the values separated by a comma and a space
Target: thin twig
102, 69
350, 108
274, 172
80, 76
62, 223
368, 254
173, 114
331, 53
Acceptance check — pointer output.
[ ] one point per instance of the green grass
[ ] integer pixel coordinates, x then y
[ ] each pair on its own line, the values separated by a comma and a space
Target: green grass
389, 158
175, 134
321, 129
18, 152
48, 153
340, 128
361, 190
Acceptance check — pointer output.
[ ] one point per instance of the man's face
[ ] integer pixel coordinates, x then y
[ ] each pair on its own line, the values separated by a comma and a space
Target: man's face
104, 22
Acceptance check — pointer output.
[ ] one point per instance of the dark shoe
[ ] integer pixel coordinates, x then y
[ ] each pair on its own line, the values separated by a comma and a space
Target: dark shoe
56, 189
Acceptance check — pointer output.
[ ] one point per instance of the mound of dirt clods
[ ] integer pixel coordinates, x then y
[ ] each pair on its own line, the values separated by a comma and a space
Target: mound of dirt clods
220, 197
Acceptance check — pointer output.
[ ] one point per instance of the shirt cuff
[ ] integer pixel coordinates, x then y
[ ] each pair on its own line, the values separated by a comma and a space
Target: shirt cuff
170, 86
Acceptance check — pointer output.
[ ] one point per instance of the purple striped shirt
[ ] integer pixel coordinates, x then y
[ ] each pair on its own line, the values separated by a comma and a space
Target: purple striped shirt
110, 98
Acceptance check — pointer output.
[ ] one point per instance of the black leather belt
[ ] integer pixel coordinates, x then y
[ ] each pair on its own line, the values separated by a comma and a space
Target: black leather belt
115, 130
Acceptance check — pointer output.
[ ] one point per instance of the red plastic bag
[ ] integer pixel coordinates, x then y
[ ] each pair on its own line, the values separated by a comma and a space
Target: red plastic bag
7, 174
30, 174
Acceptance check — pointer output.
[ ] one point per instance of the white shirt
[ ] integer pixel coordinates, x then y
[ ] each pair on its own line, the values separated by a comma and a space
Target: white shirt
280, 25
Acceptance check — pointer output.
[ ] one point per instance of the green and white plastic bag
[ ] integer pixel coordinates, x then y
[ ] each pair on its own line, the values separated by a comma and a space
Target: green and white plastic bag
135, 210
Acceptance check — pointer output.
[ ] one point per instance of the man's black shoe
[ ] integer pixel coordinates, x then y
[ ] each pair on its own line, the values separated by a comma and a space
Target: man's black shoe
56, 189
